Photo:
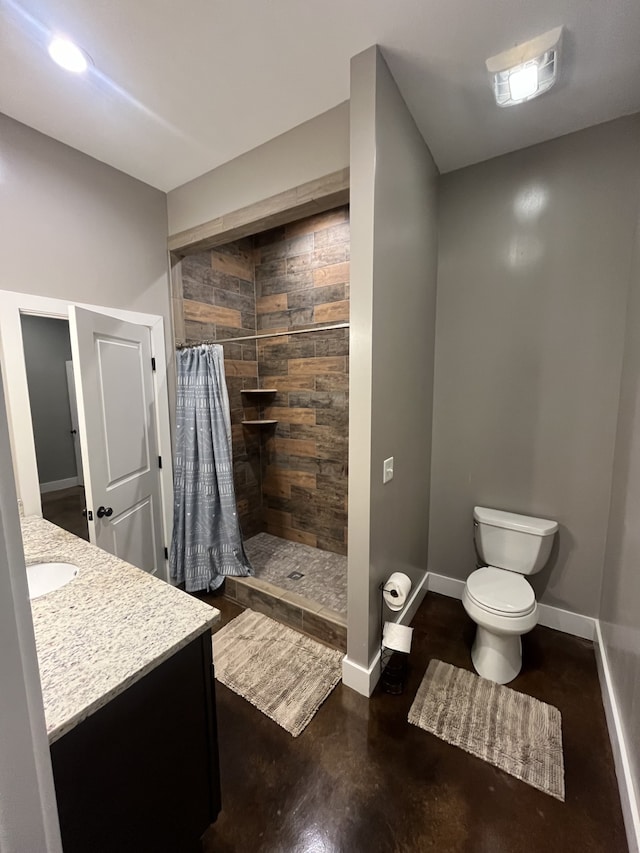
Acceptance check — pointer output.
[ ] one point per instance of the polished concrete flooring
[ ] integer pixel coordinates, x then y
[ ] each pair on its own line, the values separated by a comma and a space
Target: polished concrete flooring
64, 509
360, 779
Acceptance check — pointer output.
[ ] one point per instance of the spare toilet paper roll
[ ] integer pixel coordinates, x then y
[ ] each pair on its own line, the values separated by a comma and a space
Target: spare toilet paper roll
396, 591
397, 637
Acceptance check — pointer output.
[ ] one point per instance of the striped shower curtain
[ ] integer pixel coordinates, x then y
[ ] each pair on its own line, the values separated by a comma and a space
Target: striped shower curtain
206, 544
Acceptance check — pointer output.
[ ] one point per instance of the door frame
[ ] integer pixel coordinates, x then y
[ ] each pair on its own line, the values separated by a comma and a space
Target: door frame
12, 358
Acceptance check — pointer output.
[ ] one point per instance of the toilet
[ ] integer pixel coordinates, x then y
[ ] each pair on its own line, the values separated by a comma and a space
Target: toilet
498, 596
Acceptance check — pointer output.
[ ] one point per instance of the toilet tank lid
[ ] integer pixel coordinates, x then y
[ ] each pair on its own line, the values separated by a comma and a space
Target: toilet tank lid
513, 521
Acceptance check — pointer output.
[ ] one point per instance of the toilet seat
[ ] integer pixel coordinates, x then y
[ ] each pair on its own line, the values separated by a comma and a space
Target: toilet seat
501, 592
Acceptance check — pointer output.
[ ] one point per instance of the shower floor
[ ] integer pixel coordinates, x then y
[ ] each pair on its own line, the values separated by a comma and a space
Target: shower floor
324, 574
315, 603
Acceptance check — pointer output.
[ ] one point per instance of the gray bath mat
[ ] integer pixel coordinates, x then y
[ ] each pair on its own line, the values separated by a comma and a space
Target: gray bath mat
284, 674
510, 730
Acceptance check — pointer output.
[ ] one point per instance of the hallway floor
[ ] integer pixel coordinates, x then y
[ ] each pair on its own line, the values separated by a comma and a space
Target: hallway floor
360, 779
324, 574
64, 509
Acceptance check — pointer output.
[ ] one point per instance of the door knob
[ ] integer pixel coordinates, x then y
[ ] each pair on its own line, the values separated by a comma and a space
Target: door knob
103, 511
73, 431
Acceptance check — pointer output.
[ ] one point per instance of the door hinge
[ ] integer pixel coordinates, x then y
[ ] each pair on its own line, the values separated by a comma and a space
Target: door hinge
166, 553
153, 364
159, 461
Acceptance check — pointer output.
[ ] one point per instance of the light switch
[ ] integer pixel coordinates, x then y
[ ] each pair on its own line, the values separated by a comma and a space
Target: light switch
387, 470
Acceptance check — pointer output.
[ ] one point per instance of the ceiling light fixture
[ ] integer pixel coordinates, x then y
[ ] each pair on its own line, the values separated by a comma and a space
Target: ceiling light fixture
527, 70
68, 55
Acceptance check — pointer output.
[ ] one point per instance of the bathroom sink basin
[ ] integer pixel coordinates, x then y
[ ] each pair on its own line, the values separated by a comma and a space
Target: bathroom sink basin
47, 577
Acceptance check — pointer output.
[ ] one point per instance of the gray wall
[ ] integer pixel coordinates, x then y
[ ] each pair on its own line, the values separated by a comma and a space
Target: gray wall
393, 285
620, 606
535, 252
46, 347
311, 150
79, 230
28, 816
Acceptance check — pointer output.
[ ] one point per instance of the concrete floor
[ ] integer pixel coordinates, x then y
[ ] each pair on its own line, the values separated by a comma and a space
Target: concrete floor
360, 779
64, 509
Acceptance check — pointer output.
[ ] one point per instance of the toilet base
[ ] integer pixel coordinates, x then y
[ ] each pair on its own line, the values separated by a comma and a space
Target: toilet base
497, 657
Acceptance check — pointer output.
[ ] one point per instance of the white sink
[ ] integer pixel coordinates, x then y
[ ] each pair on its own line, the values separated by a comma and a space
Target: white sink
47, 577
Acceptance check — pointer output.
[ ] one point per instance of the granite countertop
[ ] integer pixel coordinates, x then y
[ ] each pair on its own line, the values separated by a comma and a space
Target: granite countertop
104, 630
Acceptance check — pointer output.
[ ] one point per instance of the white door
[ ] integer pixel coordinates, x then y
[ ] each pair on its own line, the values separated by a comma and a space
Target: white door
75, 429
116, 414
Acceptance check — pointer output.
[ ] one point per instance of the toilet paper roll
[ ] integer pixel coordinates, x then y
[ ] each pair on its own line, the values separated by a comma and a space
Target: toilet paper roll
397, 637
396, 591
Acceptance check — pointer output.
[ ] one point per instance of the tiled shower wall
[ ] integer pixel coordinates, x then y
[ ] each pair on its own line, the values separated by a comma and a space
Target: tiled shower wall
291, 479
302, 279
219, 301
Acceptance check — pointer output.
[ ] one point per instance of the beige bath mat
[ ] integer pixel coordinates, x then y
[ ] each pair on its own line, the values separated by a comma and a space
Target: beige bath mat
284, 674
510, 730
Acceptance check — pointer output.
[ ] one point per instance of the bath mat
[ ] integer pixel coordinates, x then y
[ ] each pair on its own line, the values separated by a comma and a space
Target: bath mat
284, 674
510, 730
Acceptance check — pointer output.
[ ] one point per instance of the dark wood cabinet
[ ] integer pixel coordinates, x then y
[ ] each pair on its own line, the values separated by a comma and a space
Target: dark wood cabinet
142, 773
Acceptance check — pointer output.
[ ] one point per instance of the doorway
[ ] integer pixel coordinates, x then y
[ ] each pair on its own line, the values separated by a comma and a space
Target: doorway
106, 346
47, 353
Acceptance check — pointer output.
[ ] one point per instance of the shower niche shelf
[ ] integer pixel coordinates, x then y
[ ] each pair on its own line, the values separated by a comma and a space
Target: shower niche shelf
259, 393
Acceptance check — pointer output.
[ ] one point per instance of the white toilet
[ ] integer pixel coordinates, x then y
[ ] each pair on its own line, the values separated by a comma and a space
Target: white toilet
498, 598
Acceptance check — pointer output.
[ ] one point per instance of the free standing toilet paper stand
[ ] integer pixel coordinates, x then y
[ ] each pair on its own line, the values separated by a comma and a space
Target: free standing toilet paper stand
394, 665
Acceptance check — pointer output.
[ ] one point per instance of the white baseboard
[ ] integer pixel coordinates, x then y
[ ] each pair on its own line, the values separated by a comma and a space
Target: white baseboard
551, 617
56, 485
364, 679
567, 622
629, 796
359, 678
451, 587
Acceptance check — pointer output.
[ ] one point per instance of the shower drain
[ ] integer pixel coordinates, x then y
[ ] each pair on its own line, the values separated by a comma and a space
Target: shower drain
295, 576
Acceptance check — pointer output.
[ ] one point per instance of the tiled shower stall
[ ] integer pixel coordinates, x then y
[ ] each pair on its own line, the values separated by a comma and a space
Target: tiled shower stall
291, 475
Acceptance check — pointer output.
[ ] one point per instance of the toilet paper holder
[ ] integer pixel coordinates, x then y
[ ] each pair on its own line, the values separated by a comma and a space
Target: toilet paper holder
393, 663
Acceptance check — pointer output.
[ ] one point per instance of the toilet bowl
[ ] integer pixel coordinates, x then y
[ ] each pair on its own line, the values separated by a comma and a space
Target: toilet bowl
498, 598
503, 606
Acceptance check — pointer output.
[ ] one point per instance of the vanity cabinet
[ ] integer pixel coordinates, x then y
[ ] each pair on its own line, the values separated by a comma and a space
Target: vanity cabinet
141, 773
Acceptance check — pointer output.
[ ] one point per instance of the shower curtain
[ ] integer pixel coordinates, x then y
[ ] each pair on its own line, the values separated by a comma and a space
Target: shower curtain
206, 544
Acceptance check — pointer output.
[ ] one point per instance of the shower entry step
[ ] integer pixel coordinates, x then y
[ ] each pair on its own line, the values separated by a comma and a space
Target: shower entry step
291, 609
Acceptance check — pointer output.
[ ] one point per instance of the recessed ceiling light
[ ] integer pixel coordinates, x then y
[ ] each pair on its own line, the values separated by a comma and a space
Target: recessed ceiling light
527, 70
68, 55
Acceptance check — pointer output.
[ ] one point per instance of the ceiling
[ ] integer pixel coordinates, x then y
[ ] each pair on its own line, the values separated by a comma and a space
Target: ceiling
181, 87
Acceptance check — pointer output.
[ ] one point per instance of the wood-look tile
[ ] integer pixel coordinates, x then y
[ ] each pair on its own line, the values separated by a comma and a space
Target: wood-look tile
331, 312
332, 382
330, 236
271, 304
320, 625
204, 313
276, 608
307, 605
277, 517
293, 535
295, 244
317, 222
328, 255
304, 366
299, 447
294, 382
291, 416
333, 274
236, 266
241, 368
274, 487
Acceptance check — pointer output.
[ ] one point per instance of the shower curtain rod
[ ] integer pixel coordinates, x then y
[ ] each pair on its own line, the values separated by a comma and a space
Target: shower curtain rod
271, 335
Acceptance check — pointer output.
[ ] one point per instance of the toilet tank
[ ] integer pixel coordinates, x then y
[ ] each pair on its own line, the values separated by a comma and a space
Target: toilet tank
519, 543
